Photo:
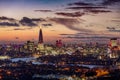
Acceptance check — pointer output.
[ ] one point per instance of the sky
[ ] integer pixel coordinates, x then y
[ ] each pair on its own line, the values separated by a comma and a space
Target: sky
69, 20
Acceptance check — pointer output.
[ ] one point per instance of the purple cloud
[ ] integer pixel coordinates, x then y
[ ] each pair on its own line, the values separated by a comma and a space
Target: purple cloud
75, 14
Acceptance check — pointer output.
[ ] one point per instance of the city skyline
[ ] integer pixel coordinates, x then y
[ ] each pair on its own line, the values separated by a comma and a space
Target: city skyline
59, 19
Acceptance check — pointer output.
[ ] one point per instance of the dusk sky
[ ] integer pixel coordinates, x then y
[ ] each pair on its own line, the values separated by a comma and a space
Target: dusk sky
20, 20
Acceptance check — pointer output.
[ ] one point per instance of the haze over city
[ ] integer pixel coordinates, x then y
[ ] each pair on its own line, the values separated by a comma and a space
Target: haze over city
20, 20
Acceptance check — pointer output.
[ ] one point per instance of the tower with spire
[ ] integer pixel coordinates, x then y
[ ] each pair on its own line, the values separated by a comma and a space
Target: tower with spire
40, 36
40, 41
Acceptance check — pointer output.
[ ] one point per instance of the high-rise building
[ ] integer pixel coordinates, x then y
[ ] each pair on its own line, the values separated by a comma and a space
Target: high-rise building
113, 42
113, 48
40, 36
40, 42
59, 43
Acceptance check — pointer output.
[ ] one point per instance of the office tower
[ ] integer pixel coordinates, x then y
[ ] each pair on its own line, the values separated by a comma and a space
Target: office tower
40, 42
59, 43
113, 42
40, 36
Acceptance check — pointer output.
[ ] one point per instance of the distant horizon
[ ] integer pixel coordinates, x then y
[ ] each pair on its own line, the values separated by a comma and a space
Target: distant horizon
63, 41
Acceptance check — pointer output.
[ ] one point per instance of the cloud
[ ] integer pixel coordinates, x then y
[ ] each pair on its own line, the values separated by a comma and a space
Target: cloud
114, 30
118, 21
91, 9
38, 19
45, 25
6, 18
111, 28
22, 28
99, 11
30, 22
27, 22
66, 34
85, 33
75, 14
5, 22
93, 37
86, 7
109, 2
70, 23
77, 34
94, 2
2, 24
43, 10
94, 7
80, 4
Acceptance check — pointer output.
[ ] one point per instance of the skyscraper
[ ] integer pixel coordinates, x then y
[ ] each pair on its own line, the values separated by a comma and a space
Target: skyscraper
113, 42
40, 36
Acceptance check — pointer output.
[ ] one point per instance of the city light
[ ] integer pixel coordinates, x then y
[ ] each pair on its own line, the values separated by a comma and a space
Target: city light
59, 40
